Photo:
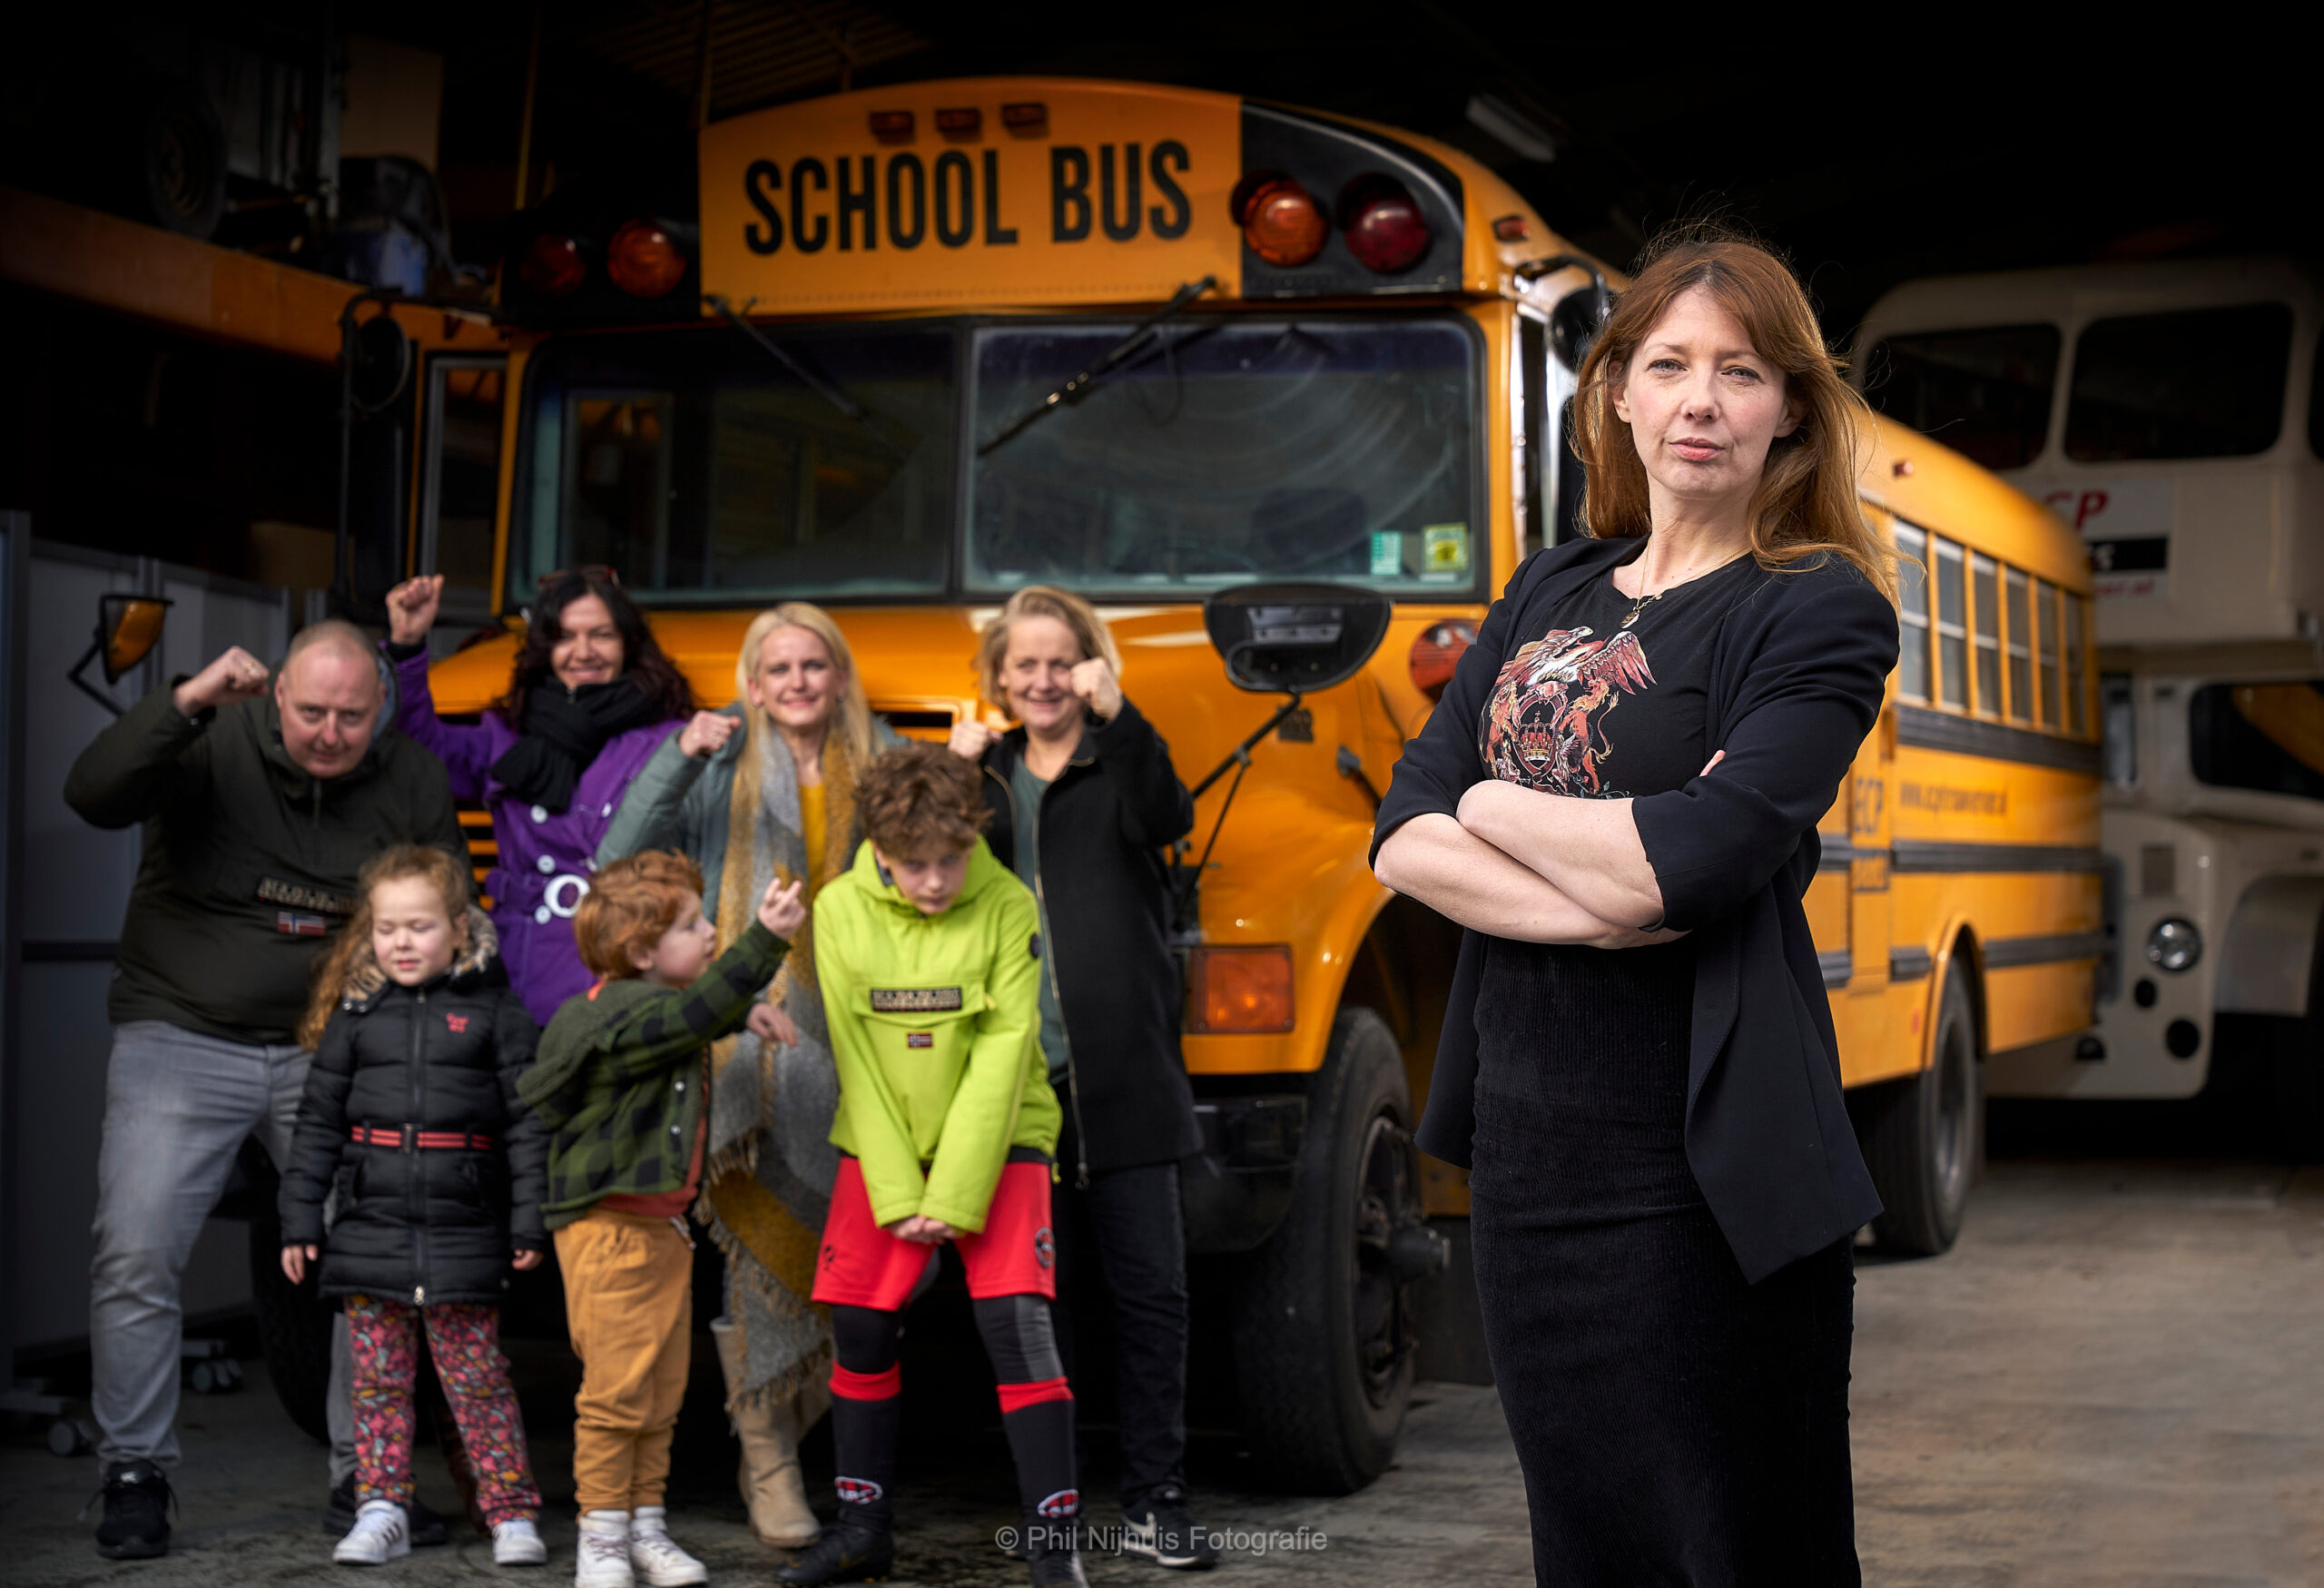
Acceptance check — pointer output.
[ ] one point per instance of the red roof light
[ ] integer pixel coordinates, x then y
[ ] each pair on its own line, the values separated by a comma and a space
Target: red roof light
965, 123
891, 126
553, 266
1383, 225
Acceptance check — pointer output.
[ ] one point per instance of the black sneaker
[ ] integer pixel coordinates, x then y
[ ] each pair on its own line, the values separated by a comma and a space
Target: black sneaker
136, 1525
1159, 1528
1051, 1548
842, 1553
429, 1528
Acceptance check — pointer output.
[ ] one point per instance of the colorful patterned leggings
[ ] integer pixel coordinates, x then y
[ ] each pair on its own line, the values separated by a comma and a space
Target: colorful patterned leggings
465, 1343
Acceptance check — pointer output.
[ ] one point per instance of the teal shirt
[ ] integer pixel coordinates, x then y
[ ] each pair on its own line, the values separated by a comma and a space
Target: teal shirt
1025, 792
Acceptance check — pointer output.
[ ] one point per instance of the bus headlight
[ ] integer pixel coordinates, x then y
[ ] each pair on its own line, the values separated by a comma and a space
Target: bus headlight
2174, 943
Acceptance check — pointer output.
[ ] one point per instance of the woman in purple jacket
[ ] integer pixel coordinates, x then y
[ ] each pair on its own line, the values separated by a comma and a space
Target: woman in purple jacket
591, 698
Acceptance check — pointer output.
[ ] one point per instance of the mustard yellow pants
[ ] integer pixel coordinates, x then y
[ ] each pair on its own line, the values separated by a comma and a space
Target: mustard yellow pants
629, 1304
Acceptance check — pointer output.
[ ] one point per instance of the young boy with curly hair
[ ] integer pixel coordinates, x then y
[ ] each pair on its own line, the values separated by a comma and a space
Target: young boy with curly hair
929, 950
622, 1081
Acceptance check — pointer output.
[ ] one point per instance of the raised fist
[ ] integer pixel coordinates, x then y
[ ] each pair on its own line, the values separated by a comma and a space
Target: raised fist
1094, 681
236, 675
708, 733
970, 739
411, 608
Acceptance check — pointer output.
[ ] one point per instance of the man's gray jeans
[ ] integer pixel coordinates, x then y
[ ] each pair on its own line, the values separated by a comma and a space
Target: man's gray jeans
178, 1105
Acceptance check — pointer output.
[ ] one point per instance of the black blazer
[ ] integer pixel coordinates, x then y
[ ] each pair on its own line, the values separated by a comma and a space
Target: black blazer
1105, 822
1797, 676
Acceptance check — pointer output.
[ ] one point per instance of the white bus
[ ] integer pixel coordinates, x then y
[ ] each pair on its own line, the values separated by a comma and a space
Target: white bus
2170, 413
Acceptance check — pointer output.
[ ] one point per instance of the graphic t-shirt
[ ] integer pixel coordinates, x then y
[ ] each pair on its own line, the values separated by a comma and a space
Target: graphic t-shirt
1582, 1052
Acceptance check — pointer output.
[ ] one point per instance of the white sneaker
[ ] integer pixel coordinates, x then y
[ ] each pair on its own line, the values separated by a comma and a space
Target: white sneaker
655, 1557
518, 1543
603, 1559
380, 1534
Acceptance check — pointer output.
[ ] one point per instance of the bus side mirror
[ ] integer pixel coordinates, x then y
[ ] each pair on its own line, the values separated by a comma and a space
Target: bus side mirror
128, 628
1294, 638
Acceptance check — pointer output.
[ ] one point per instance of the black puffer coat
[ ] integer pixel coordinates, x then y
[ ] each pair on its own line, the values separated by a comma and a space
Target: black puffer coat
1105, 822
430, 1223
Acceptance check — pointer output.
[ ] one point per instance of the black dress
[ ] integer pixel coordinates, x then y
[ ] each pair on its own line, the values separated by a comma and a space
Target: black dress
1676, 1424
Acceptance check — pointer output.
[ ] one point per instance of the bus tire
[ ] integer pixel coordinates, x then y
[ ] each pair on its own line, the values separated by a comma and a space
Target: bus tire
293, 1332
1324, 1331
1923, 1135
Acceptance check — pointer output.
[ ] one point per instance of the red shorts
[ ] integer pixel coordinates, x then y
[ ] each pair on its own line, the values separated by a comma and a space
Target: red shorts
861, 1264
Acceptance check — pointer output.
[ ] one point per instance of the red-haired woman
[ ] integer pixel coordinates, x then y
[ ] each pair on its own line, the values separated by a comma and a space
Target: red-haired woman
590, 699
1617, 798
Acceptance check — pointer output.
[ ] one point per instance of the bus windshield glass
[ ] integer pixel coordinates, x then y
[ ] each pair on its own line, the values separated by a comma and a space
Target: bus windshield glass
1227, 450
702, 467
1985, 393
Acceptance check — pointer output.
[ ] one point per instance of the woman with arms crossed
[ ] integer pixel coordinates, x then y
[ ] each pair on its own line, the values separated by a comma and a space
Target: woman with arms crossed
763, 790
1617, 797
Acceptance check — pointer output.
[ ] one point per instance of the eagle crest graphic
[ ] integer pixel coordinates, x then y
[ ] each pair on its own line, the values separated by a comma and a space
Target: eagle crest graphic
1544, 725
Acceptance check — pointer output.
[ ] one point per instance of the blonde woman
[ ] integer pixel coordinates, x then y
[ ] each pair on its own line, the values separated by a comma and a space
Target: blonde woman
1084, 801
766, 789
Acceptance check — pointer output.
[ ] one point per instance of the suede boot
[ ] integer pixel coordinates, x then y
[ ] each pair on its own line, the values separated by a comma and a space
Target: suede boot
770, 1435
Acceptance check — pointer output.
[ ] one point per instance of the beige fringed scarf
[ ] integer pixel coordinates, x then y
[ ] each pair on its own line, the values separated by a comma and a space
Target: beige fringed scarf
771, 1161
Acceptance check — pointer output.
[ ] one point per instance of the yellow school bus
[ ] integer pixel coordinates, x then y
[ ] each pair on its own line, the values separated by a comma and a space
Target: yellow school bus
1219, 363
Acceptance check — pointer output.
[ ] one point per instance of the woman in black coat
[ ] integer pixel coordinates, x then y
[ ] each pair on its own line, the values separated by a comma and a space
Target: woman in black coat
1617, 797
1084, 802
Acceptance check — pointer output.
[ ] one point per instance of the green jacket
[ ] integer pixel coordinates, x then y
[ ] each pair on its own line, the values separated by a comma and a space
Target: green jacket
935, 1025
248, 862
618, 1077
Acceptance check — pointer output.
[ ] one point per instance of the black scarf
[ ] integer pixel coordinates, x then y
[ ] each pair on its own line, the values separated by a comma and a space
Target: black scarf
563, 732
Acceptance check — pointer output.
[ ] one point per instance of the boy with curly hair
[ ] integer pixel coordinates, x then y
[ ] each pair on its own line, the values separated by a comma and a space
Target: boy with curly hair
928, 953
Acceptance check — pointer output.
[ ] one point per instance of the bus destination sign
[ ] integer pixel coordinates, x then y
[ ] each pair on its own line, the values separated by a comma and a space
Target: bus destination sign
929, 196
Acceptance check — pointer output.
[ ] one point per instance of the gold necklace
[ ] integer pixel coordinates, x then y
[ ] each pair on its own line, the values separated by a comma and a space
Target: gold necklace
1642, 602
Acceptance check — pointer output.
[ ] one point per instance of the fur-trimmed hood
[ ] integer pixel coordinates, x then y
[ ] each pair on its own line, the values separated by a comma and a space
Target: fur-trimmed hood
480, 962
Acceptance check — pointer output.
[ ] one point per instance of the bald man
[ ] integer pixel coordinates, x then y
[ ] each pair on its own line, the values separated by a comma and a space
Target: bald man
259, 804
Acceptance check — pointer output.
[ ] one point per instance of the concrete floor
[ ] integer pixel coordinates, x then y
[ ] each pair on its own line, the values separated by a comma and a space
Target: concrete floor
2117, 1378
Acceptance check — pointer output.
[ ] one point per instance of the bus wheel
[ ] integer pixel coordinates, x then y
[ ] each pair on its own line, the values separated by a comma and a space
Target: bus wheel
1921, 1135
1326, 1322
293, 1332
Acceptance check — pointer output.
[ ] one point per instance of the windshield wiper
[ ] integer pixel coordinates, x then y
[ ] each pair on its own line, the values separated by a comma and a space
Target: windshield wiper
805, 377
1074, 390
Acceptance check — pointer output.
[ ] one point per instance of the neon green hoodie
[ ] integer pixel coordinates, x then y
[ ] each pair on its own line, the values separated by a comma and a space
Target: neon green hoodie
935, 1024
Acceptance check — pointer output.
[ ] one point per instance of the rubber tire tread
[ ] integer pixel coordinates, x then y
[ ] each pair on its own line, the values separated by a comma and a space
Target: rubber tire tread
1311, 1428
1899, 1140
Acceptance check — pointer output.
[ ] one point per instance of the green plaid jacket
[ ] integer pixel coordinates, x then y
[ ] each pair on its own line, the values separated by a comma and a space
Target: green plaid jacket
619, 1077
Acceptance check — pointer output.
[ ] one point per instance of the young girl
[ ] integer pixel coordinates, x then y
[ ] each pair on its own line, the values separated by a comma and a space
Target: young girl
412, 1116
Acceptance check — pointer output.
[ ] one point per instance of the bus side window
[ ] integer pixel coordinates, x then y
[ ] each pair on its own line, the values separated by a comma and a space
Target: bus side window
459, 488
2021, 648
1985, 580
1912, 613
2077, 678
1952, 625
2045, 622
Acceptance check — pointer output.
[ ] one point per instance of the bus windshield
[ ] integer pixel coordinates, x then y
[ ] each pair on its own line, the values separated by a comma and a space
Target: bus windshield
707, 470
704, 467
1226, 452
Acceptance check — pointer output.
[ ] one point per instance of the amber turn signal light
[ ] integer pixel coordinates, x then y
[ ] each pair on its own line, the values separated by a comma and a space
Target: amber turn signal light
1436, 653
1238, 988
1280, 221
643, 260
